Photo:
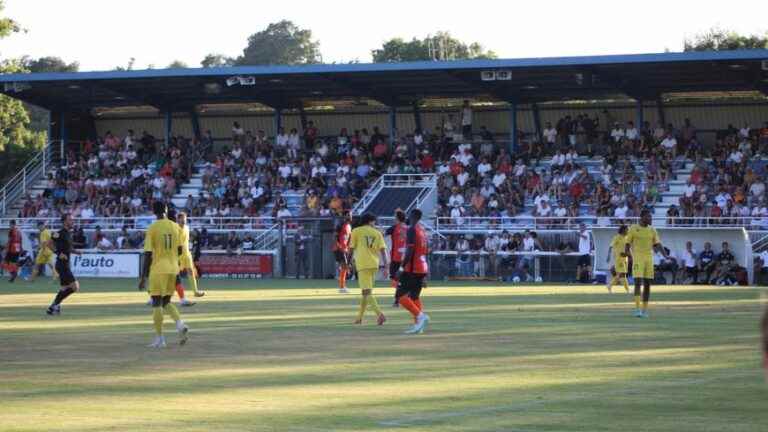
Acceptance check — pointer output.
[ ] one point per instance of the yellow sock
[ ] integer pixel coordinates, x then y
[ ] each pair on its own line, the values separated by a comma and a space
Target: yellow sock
193, 281
171, 310
645, 306
361, 311
157, 317
373, 304
637, 301
626, 284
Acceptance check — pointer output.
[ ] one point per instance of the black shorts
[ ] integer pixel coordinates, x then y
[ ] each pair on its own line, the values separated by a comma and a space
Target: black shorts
394, 268
585, 261
411, 285
65, 273
12, 257
341, 257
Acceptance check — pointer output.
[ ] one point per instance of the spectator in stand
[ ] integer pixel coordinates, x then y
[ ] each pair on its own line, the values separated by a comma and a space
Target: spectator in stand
688, 263
707, 263
466, 120
310, 135
463, 258
103, 244
669, 145
665, 263
233, 244
725, 266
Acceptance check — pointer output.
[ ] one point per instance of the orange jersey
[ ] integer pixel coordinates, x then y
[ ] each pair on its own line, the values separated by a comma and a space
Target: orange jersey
417, 241
397, 232
14, 240
342, 237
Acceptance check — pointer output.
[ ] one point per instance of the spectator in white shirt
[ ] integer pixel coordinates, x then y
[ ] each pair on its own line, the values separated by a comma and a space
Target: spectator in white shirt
617, 133
462, 178
456, 199
466, 120
584, 265
281, 141
483, 168
669, 144
293, 143
688, 261
632, 133
736, 156
550, 134
492, 246
542, 210
559, 158
104, 244
499, 178
621, 211
744, 131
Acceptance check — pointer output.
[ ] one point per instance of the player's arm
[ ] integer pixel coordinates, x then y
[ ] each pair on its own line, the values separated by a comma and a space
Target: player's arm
382, 246
147, 259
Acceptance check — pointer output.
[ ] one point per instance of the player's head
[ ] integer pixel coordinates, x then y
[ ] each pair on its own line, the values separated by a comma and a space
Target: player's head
415, 216
622, 229
159, 209
67, 221
400, 215
181, 218
41, 225
171, 214
368, 219
645, 217
12, 223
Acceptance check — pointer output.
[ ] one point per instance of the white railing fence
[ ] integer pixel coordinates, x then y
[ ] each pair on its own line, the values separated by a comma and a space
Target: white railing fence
21, 183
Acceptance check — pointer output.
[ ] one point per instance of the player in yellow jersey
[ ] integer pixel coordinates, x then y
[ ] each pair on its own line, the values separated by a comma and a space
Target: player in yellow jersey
620, 259
162, 250
187, 264
367, 244
642, 239
44, 253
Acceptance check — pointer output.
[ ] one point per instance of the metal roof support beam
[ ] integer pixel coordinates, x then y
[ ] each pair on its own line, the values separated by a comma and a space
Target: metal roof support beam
660, 110
277, 119
512, 127
417, 116
63, 132
639, 114
303, 118
392, 126
195, 120
536, 120
168, 123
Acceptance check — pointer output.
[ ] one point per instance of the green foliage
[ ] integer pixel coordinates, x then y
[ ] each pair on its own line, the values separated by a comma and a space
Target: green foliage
129, 66
281, 43
7, 25
217, 60
717, 39
177, 64
441, 46
49, 64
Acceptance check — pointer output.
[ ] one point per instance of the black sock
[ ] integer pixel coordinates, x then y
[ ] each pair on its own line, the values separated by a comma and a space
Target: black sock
61, 295
646, 291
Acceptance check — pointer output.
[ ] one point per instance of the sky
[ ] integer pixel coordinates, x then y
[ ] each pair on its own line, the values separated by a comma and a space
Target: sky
103, 34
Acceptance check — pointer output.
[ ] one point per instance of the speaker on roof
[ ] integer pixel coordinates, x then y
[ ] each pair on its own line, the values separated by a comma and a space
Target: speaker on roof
232, 81
488, 76
503, 75
248, 81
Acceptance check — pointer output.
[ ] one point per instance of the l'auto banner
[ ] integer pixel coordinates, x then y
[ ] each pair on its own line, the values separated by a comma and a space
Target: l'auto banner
244, 266
106, 265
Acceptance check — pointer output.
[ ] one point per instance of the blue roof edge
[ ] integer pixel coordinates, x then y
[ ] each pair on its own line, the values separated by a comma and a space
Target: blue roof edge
757, 54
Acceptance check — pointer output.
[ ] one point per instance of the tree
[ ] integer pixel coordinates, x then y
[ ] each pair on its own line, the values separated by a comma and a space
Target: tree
129, 66
49, 64
15, 135
177, 64
717, 39
281, 43
217, 60
441, 46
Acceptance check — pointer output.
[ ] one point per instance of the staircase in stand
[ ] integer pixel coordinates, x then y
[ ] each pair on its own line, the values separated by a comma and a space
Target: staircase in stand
403, 191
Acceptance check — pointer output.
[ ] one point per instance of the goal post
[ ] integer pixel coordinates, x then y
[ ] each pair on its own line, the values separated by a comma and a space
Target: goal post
675, 238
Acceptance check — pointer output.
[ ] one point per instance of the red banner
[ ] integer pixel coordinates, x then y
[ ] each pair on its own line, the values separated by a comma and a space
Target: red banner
235, 266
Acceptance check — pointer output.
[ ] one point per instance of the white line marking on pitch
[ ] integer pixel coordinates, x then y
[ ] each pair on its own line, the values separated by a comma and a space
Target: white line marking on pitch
523, 406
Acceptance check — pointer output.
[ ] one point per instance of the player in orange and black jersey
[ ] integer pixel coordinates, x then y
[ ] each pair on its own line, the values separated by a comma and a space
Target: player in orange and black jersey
341, 250
414, 270
397, 234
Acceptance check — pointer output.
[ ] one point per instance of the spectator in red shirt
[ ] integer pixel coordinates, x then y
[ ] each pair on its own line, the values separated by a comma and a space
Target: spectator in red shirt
427, 162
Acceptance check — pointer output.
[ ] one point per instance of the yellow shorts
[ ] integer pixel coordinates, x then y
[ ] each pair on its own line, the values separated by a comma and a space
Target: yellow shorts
162, 284
366, 278
642, 267
43, 257
621, 265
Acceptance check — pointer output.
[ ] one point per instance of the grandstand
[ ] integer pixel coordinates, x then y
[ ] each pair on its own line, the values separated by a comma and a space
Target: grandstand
683, 134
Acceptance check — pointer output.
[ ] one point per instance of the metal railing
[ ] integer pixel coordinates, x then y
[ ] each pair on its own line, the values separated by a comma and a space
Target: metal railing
369, 196
480, 224
34, 170
427, 181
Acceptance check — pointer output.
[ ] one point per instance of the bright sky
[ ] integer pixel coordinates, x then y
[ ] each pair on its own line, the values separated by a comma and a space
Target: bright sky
104, 34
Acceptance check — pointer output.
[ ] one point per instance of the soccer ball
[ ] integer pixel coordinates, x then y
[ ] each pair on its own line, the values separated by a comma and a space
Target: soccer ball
539, 279
516, 279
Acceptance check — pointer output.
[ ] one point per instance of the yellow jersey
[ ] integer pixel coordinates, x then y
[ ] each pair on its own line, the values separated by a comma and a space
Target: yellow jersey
618, 245
45, 237
641, 240
366, 243
163, 241
184, 240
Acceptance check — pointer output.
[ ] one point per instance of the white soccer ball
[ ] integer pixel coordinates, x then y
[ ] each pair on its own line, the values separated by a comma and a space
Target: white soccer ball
539, 279
516, 279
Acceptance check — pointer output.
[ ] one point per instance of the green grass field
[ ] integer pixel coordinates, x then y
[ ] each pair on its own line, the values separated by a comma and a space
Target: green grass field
283, 356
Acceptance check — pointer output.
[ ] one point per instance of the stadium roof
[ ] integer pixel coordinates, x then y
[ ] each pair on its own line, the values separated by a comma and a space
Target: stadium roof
639, 76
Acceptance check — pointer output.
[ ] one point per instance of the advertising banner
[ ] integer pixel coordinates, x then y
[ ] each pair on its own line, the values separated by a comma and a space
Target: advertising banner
106, 265
244, 266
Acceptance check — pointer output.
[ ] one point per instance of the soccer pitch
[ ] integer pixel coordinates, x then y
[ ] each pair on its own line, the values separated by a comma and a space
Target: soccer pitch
282, 355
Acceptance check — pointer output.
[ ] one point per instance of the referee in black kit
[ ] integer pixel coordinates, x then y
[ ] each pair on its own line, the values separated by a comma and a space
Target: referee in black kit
62, 244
